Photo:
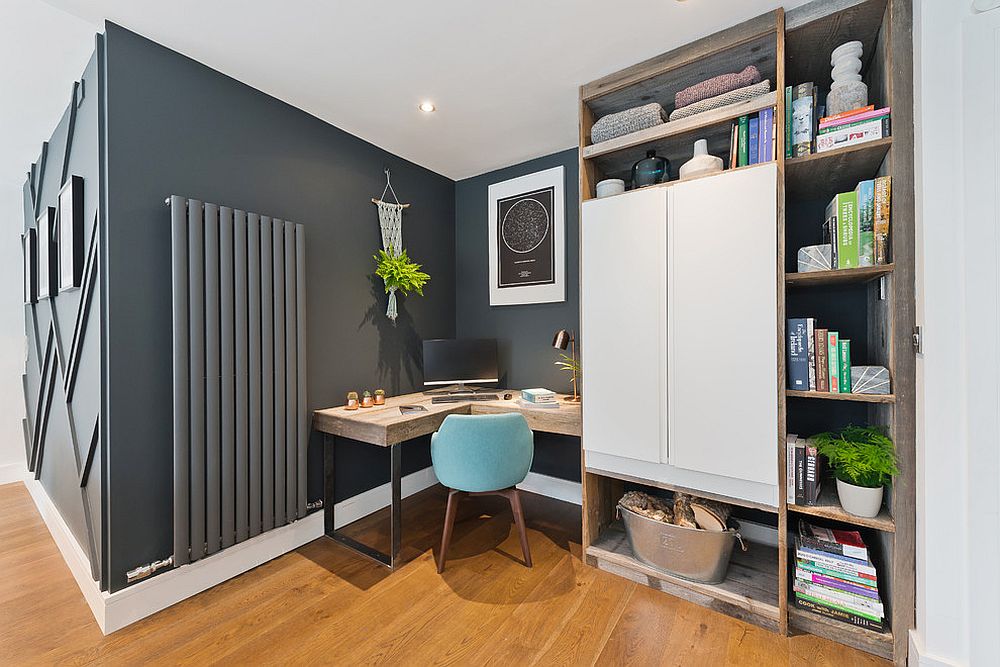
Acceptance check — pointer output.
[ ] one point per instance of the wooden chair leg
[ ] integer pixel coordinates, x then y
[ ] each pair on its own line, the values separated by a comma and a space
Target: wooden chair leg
449, 524
515, 504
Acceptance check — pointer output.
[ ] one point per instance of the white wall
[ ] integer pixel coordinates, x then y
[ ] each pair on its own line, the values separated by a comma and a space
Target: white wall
43, 51
958, 595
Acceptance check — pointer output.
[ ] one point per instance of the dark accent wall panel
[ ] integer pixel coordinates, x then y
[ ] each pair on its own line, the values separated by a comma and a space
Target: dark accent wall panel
523, 333
177, 126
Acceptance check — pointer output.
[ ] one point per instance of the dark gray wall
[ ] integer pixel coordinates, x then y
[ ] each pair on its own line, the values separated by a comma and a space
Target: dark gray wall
178, 127
523, 333
66, 420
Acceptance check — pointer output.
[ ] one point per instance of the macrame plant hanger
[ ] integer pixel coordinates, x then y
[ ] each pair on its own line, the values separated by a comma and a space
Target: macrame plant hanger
390, 219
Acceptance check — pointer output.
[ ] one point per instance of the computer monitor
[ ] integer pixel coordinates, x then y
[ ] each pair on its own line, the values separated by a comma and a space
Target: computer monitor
454, 364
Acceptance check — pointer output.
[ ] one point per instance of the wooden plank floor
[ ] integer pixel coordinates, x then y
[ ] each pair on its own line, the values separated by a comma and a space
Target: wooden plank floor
322, 605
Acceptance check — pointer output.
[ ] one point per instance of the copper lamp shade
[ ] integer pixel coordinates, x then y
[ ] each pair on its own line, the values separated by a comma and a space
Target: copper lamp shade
561, 340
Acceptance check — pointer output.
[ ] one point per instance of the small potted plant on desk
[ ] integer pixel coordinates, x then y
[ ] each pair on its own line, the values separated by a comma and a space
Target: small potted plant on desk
864, 461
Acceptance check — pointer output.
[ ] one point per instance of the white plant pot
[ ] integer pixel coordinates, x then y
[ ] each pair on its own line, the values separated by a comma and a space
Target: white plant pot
860, 500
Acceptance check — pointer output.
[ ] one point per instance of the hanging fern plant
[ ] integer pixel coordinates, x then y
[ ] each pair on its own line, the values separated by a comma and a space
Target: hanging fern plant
400, 273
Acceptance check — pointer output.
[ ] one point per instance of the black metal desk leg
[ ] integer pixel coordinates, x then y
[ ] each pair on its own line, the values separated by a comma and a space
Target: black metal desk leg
395, 508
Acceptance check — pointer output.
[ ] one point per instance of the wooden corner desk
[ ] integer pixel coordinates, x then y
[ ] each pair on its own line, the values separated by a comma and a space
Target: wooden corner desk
386, 426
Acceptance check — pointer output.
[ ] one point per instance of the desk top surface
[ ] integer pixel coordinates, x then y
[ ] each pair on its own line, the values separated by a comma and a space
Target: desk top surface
385, 425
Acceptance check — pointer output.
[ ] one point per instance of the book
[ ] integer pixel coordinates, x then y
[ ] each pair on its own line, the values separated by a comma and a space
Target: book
734, 146
753, 140
854, 603
837, 614
766, 150
853, 578
800, 472
538, 395
832, 540
866, 222
811, 351
853, 121
791, 442
798, 354
851, 566
871, 130
813, 482
743, 145
883, 193
833, 361
803, 119
822, 371
841, 226
788, 121
845, 114
550, 405
841, 586
845, 366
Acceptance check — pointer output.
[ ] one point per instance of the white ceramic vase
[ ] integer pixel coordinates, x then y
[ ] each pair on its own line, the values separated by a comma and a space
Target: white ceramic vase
702, 163
848, 91
859, 500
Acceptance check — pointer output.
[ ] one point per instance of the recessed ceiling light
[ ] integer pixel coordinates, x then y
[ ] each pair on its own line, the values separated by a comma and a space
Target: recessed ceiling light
427, 107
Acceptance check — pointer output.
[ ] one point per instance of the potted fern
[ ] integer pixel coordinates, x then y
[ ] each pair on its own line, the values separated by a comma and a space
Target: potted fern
864, 462
399, 272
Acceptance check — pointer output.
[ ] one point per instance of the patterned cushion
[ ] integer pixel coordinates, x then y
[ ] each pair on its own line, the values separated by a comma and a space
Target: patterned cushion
715, 86
732, 97
628, 121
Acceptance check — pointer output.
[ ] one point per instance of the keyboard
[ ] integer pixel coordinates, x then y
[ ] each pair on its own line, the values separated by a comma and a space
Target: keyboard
465, 397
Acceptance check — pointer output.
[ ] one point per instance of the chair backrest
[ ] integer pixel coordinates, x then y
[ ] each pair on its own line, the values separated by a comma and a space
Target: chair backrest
482, 452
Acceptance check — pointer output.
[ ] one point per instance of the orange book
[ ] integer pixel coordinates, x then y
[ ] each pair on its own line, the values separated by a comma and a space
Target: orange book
846, 114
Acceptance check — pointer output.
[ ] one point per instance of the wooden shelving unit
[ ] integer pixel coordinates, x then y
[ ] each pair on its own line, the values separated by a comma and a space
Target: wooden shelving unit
879, 301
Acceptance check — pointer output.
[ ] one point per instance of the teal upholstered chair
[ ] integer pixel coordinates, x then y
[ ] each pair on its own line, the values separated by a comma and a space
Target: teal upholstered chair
478, 455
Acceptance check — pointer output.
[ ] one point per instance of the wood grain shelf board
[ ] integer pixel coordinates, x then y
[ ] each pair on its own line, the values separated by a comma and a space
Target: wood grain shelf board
876, 643
750, 590
862, 274
822, 175
833, 396
828, 507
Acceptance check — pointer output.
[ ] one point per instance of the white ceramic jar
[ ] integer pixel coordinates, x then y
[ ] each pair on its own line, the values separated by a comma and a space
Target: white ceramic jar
610, 186
702, 163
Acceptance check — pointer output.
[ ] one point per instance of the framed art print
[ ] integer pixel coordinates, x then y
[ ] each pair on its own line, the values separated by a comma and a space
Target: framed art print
47, 257
70, 236
29, 246
527, 239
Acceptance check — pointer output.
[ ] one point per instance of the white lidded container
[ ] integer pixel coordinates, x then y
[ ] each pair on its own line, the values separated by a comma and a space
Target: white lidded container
610, 186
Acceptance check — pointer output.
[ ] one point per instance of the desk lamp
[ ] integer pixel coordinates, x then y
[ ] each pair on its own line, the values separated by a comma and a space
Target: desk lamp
561, 341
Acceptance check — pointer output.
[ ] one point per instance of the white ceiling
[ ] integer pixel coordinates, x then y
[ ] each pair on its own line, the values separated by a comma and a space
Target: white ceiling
504, 75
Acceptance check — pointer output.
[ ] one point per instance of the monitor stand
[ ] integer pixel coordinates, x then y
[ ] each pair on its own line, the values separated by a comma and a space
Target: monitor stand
454, 389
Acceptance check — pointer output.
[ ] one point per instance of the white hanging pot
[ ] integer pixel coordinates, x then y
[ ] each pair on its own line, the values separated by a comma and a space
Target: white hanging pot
859, 500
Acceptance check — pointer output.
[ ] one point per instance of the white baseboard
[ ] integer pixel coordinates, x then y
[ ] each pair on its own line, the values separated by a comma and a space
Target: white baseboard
918, 657
12, 472
553, 487
363, 504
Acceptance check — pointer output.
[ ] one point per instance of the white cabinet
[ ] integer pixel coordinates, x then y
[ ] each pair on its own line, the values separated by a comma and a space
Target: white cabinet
679, 327
624, 260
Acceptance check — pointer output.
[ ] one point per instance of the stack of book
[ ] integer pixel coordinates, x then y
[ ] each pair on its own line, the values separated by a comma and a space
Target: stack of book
753, 139
802, 471
538, 398
808, 130
818, 359
835, 578
857, 225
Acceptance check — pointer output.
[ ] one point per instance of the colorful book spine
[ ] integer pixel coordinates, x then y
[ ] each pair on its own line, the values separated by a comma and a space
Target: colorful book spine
830, 231
854, 579
843, 564
866, 222
791, 440
827, 120
798, 354
845, 366
803, 119
853, 121
840, 585
833, 596
883, 198
800, 473
844, 207
765, 149
753, 140
833, 361
849, 136
811, 351
822, 370
743, 146
812, 474
788, 122
844, 616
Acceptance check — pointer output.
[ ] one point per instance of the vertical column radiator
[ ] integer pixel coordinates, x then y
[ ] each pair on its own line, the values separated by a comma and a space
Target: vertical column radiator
241, 424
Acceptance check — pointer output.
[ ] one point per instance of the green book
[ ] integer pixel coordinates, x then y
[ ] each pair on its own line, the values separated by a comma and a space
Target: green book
845, 365
843, 608
788, 121
841, 225
833, 360
866, 223
743, 142
810, 566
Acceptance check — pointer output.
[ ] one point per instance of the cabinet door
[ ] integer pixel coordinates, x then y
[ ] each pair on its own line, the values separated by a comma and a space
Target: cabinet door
623, 263
722, 325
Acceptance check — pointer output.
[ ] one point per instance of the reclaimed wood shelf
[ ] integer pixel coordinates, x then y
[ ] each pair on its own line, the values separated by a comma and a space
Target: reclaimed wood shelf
822, 175
749, 592
877, 643
828, 507
833, 396
859, 275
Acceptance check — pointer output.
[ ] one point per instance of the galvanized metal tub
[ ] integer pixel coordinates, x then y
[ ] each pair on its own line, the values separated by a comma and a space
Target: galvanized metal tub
690, 553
